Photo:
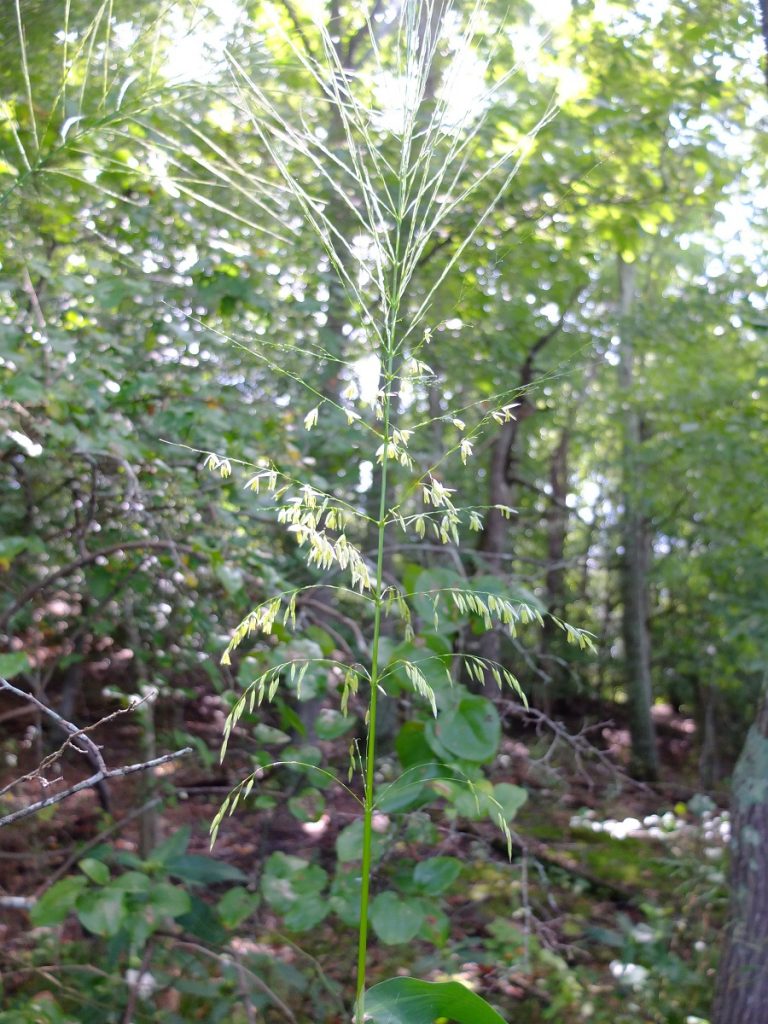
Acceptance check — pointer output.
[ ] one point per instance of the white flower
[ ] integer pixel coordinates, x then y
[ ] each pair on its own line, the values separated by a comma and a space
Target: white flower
144, 982
632, 975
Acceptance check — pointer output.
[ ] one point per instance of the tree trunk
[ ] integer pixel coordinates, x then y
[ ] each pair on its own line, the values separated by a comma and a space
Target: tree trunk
709, 757
741, 995
556, 517
634, 562
503, 480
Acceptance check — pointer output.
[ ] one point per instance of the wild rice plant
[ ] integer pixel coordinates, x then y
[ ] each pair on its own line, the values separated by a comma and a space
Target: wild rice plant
392, 176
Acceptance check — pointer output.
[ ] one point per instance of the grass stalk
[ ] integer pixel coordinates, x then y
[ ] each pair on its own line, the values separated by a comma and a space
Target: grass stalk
381, 526
370, 751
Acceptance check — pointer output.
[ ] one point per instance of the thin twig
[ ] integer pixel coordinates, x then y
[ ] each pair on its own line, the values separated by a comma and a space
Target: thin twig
34, 302
91, 749
72, 731
579, 743
80, 852
353, 627
319, 968
135, 988
245, 995
227, 959
89, 783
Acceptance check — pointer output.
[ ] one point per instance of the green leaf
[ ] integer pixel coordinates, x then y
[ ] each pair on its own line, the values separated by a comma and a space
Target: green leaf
431, 585
292, 886
101, 912
268, 734
409, 791
54, 905
169, 900
96, 870
436, 874
331, 724
202, 922
410, 1001
231, 578
470, 730
436, 927
349, 842
511, 799
432, 666
306, 754
395, 920
132, 881
13, 664
10, 547
99, 582
307, 805
307, 913
470, 801
200, 870
412, 746
174, 846
236, 905
345, 896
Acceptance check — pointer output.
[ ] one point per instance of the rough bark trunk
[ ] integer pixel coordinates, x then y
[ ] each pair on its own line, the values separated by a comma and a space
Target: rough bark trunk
741, 995
494, 539
503, 479
634, 561
709, 757
557, 526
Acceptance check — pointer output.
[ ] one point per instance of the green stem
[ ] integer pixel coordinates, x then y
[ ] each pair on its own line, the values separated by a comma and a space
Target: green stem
370, 750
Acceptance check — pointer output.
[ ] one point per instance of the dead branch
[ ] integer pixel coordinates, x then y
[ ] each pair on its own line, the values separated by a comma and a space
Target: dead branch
329, 610
73, 733
90, 749
230, 959
89, 783
579, 743
81, 851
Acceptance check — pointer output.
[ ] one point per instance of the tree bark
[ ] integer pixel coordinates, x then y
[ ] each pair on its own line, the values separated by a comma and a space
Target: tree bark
557, 525
741, 990
502, 489
503, 479
741, 995
556, 517
709, 757
635, 558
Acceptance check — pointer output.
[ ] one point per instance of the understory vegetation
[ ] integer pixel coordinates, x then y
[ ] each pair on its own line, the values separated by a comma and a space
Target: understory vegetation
382, 576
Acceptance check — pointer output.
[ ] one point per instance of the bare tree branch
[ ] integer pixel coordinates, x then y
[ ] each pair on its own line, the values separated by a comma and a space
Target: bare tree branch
34, 302
580, 743
231, 959
329, 610
89, 783
291, 12
81, 851
72, 731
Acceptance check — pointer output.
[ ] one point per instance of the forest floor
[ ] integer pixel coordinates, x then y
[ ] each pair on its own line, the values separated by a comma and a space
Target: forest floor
610, 883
